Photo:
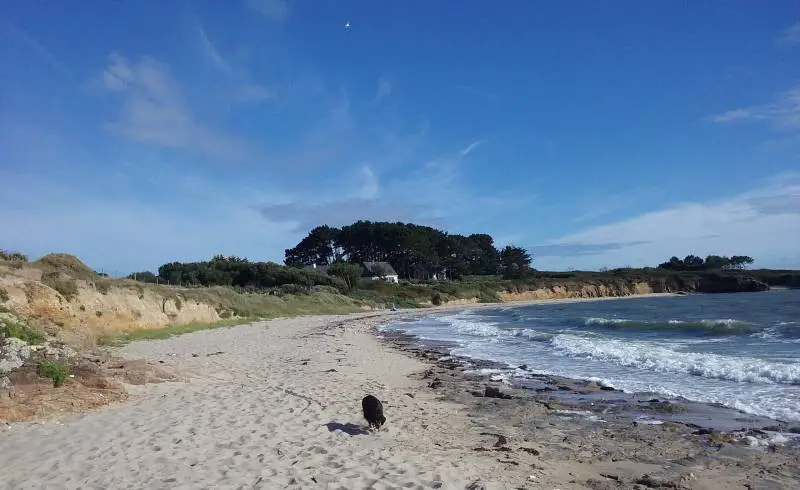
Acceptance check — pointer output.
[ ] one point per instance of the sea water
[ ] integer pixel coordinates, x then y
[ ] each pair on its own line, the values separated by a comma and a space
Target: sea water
740, 350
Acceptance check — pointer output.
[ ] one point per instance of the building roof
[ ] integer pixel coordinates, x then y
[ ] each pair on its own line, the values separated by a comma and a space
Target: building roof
380, 268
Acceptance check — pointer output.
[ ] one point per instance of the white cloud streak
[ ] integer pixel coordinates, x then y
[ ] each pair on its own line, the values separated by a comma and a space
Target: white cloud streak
44, 54
210, 51
384, 89
476, 91
153, 110
471, 147
790, 36
276, 11
763, 223
783, 113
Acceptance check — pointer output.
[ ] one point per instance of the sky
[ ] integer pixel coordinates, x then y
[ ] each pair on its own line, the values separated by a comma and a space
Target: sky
594, 134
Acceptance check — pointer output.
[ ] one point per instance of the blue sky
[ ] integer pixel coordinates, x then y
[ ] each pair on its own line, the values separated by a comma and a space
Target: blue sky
597, 134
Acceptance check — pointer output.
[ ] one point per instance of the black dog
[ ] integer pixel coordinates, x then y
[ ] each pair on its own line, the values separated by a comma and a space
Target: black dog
373, 411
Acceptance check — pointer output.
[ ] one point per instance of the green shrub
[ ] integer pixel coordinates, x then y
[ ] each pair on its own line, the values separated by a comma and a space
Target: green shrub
82, 308
241, 312
3, 294
488, 297
293, 289
436, 299
65, 287
98, 313
12, 328
53, 370
13, 256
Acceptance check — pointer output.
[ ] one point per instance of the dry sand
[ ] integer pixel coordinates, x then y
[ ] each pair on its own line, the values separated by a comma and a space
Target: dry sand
277, 405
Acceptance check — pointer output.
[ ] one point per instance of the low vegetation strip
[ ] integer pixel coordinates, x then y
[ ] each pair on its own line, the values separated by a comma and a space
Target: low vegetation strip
167, 332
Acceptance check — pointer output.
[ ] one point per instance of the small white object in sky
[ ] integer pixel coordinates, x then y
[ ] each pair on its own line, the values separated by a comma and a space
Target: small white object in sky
347, 25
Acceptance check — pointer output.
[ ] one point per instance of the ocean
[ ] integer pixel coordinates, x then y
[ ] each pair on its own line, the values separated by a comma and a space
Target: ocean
740, 350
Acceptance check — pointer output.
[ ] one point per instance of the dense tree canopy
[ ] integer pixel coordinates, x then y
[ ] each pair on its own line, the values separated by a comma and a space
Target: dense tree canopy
712, 262
515, 262
239, 272
414, 251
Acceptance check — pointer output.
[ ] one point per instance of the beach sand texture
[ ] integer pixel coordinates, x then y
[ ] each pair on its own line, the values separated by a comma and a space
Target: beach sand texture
279, 407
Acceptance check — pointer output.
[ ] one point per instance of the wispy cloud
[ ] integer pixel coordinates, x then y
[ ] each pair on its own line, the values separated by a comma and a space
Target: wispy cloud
471, 147
273, 10
578, 250
18, 34
431, 194
763, 223
783, 113
210, 50
476, 91
384, 89
371, 186
153, 110
243, 89
790, 36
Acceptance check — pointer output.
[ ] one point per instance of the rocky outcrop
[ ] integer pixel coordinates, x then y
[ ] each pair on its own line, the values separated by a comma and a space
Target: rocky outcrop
717, 283
709, 283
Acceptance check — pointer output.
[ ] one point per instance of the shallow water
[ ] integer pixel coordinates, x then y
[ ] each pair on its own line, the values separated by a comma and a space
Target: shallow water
740, 350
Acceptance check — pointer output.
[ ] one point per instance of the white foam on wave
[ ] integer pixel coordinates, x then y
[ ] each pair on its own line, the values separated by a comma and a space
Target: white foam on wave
605, 321
463, 324
654, 357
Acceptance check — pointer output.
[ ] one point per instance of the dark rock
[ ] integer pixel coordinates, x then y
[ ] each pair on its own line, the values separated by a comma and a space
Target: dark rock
655, 482
492, 392
524, 367
530, 450
476, 485
501, 441
719, 283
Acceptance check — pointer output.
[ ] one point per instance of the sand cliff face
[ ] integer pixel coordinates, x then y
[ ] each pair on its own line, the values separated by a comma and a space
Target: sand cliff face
581, 291
99, 307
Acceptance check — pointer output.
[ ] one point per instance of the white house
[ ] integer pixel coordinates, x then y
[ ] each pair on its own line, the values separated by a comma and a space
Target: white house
381, 270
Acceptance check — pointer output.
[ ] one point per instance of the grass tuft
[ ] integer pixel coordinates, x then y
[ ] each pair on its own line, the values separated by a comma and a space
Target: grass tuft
56, 371
12, 328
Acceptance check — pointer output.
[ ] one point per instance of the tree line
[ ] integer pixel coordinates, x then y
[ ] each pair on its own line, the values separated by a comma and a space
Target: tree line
414, 251
237, 272
712, 262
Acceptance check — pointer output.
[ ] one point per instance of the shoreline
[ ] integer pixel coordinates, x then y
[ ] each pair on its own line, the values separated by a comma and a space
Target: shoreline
587, 395
276, 404
707, 414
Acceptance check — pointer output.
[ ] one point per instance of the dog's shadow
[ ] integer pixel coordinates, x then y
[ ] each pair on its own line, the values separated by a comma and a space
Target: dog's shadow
350, 429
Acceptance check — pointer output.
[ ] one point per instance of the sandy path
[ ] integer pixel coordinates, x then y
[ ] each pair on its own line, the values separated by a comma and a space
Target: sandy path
268, 412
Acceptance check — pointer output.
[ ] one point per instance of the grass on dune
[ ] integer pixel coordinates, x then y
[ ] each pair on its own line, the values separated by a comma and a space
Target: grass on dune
167, 332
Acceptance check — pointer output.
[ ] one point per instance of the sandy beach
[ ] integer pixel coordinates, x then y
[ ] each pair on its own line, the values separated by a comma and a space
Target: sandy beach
277, 405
